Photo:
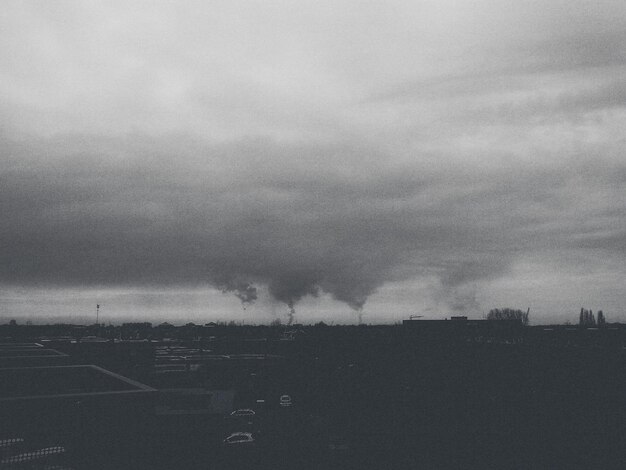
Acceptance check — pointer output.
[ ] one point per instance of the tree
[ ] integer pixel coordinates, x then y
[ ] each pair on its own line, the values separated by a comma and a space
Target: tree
601, 319
587, 318
508, 314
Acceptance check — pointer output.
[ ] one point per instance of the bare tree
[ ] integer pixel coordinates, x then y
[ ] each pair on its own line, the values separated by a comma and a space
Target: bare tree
508, 314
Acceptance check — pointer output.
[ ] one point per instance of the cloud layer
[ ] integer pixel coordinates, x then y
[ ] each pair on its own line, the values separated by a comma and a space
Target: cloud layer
176, 212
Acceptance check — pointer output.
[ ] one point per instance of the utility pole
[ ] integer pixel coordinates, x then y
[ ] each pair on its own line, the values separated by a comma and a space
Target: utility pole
97, 312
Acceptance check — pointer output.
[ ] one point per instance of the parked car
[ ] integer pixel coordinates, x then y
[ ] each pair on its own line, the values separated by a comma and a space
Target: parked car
31, 459
285, 400
239, 439
244, 416
243, 413
11, 446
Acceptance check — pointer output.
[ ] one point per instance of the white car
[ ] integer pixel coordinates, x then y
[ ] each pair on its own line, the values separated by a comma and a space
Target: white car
246, 415
239, 438
243, 413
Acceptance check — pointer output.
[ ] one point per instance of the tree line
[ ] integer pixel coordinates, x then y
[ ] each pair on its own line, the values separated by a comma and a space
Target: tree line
587, 319
508, 314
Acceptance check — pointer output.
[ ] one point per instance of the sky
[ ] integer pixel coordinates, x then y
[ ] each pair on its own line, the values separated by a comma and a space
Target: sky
334, 161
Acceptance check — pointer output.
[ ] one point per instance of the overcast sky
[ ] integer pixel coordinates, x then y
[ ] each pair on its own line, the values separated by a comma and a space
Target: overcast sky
196, 161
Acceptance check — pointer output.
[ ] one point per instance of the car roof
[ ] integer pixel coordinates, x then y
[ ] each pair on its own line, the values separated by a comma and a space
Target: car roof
240, 435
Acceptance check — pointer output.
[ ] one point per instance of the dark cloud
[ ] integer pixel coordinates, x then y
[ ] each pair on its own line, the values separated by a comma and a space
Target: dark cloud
74, 216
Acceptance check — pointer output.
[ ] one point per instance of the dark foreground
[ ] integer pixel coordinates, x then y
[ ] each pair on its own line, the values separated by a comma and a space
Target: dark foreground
418, 396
